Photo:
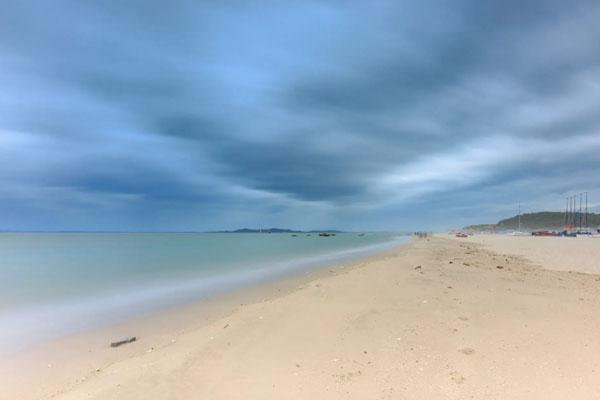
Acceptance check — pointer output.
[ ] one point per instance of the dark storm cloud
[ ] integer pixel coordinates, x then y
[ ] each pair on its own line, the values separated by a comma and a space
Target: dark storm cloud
487, 40
231, 110
288, 165
128, 178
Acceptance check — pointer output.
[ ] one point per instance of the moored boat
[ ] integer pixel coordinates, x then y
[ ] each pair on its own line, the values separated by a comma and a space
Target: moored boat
545, 233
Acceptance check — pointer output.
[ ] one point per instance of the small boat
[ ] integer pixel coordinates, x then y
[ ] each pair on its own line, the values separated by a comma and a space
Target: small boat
568, 234
518, 233
325, 234
545, 233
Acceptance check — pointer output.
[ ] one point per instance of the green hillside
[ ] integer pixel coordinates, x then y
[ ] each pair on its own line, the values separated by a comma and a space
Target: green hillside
534, 221
482, 228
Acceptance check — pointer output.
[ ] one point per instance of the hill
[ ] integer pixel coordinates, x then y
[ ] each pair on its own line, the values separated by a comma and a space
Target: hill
534, 221
481, 228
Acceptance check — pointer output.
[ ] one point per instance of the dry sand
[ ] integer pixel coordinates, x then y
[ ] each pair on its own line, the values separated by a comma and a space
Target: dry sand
438, 318
580, 254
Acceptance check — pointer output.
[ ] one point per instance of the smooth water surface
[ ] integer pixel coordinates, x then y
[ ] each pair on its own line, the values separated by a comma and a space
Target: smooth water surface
57, 283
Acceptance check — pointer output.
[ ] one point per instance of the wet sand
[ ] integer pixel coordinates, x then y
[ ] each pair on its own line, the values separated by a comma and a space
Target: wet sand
439, 318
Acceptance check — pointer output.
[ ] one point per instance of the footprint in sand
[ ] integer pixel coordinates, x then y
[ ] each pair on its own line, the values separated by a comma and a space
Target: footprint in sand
467, 351
457, 377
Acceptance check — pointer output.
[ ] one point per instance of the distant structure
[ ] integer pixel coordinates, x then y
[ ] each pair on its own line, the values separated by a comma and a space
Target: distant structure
576, 217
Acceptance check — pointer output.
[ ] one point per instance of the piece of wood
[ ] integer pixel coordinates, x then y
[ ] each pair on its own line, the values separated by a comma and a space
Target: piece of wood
122, 341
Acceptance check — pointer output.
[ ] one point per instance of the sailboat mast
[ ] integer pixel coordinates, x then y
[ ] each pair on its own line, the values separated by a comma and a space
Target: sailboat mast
580, 211
571, 219
572, 212
566, 213
586, 212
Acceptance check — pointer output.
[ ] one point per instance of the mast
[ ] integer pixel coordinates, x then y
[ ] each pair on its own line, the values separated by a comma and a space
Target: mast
580, 211
586, 212
571, 216
566, 213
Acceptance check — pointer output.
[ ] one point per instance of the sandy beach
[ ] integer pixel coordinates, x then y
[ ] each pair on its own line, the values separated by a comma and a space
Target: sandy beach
202, 200
580, 254
439, 318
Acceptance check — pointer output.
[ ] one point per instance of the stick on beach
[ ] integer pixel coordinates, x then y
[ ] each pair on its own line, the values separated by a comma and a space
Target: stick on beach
457, 327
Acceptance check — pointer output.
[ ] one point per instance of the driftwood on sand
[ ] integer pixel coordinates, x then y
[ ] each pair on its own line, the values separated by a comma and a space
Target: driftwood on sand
122, 341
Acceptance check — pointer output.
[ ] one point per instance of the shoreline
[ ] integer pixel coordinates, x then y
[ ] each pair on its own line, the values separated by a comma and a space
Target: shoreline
436, 318
58, 359
26, 325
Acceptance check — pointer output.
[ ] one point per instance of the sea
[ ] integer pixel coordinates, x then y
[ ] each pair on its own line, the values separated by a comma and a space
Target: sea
55, 284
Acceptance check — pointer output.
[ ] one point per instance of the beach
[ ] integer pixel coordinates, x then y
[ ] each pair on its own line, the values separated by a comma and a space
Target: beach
57, 284
580, 254
437, 318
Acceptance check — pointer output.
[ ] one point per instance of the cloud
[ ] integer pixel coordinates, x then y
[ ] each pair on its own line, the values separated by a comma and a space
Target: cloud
485, 159
206, 115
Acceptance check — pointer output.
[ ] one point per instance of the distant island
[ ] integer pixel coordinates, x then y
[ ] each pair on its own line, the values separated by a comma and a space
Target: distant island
550, 220
276, 230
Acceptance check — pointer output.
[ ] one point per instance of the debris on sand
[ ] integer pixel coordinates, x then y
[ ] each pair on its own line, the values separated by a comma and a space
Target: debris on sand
123, 340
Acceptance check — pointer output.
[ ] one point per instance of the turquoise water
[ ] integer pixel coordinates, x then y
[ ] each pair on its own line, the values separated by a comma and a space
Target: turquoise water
57, 283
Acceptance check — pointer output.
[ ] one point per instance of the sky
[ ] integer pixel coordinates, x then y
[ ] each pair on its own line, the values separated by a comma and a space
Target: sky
373, 115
